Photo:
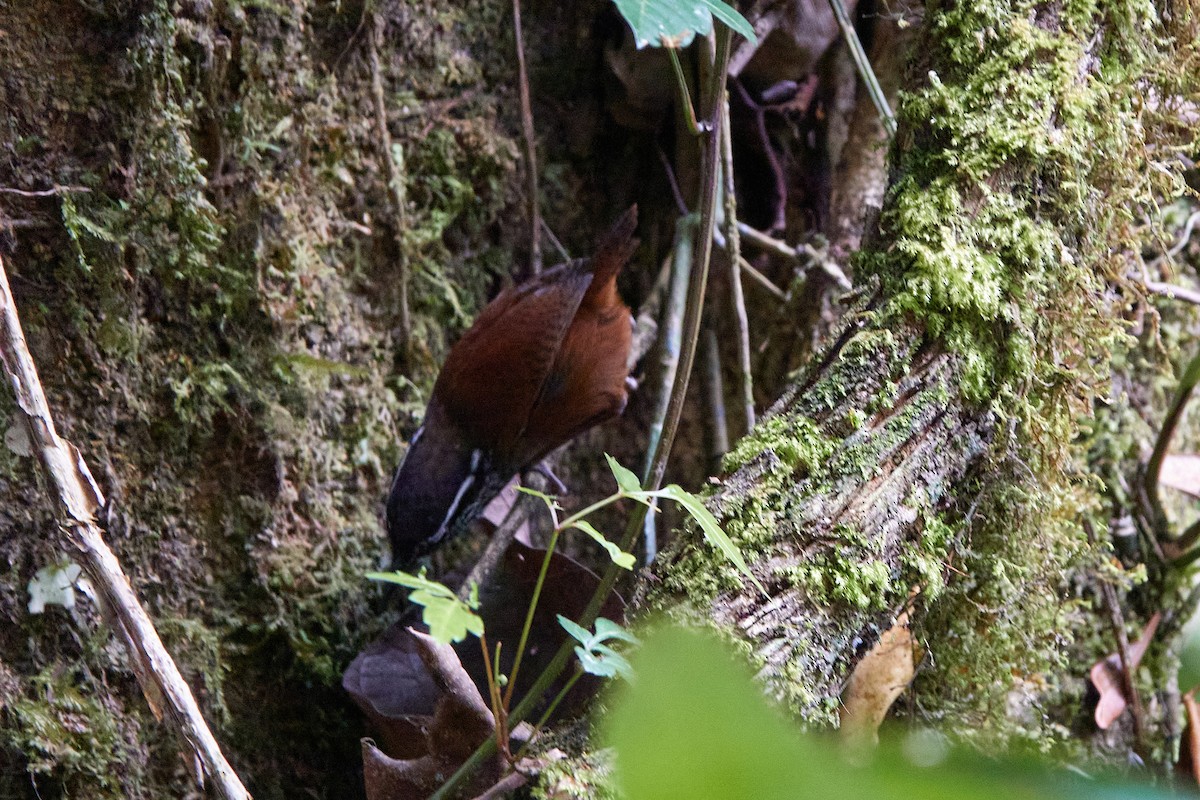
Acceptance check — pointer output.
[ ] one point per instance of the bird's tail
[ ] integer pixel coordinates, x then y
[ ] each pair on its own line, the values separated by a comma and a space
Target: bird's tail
615, 248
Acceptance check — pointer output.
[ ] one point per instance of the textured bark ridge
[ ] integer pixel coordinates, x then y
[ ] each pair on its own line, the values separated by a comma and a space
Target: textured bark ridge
833, 498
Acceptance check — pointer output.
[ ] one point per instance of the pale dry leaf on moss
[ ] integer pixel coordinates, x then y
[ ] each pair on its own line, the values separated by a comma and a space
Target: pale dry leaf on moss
1181, 472
877, 680
1106, 675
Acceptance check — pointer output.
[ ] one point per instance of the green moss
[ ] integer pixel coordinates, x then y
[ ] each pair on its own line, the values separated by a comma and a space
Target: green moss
68, 736
579, 777
1004, 205
221, 321
796, 443
846, 571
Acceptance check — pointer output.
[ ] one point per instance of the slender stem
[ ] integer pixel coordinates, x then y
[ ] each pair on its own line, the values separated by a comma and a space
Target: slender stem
558, 698
1183, 549
527, 131
672, 335
537, 593
734, 249
1191, 376
716, 394
685, 97
490, 674
863, 64
761, 280
490, 669
594, 507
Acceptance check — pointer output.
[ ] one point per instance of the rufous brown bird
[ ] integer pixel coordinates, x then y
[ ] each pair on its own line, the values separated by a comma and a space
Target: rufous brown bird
544, 361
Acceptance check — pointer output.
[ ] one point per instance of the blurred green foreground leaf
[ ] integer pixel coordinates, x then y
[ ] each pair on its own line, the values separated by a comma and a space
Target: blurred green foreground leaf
694, 725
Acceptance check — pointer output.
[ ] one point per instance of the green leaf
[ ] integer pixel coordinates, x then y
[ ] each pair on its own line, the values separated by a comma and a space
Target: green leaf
619, 556
577, 631
604, 662
674, 23
626, 480
448, 618
595, 657
710, 528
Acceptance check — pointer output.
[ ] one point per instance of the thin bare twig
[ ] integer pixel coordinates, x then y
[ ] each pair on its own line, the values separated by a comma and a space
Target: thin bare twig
863, 64
801, 254
562, 251
1187, 383
734, 248
80, 498
671, 335
51, 192
1117, 618
680, 203
395, 178
20, 224
506, 786
765, 16
716, 395
531, 181
1186, 236
1172, 291
762, 280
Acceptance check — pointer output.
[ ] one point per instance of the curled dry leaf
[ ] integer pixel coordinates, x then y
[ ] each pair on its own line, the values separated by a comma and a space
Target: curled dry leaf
877, 680
389, 682
1108, 678
461, 721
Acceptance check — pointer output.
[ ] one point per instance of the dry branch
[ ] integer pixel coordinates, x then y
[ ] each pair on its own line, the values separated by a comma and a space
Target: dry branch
80, 498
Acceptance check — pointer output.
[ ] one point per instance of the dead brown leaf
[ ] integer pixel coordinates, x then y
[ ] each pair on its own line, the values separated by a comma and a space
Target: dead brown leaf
877, 680
433, 746
1108, 678
1188, 766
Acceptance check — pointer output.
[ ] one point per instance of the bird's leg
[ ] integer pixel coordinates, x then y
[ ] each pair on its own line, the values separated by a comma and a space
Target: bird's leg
543, 467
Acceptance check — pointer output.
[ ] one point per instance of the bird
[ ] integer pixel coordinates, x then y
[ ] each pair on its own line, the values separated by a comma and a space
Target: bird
544, 361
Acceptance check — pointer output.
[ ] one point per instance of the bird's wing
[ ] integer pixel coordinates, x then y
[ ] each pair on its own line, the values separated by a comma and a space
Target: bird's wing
495, 373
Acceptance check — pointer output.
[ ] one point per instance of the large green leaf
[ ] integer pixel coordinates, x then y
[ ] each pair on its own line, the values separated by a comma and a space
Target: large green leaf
696, 726
674, 23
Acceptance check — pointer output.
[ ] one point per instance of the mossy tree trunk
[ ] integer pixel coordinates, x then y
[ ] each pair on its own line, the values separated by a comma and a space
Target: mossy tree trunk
935, 443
